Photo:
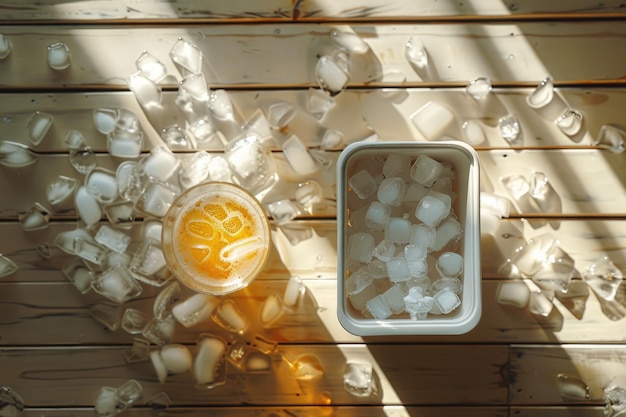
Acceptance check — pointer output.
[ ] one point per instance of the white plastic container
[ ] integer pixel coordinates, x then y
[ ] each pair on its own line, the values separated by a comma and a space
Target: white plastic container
464, 161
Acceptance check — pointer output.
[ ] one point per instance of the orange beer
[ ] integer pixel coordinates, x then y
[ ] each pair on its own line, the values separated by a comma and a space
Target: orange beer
215, 238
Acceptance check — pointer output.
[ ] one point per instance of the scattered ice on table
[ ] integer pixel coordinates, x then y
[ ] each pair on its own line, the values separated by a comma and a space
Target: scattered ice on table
349, 41
479, 88
44, 250
530, 257
540, 302
377, 215
138, 352
120, 214
298, 156
251, 163
107, 314
166, 299
570, 122
177, 358
209, 366
293, 291
432, 210
361, 247
195, 309
126, 121
279, 114
363, 184
37, 217
11, 403
107, 404
38, 126
112, 239
158, 365
416, 54
195, 85
510, 130
318, 103
282, 211
6, 46
425, 170
77, 272
614, 401
156, 199
248, 358
450, 264
203, 131
65, 240
134, 321
473, 132
112, 258
378, 308
195, 170
7, 266
332, 139
175, 138
612, 138
148, 264
385, 250
572, 387
129, 177
221, 106
308, 193
515, 294
398, 230
82, 157
332, 74
187, 57
229, 316
102, 184
123, 144
219, 169
307, 367
517, 185
59, 56
151, 67
87, 206
117, 284
544, 194
16, 155
161, 163
398, 270
160, 330
446, 300
271, 311
391, 191
129, 392
146, 91
432, 120
495, 203
542, 94
59, 191
159, 403
296, 233
359, 379
105, 120
604, 278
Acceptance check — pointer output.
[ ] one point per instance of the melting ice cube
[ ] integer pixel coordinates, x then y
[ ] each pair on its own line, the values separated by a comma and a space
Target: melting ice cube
37, 217
5, 46
332, 74
59, 56
7, 266
38, 126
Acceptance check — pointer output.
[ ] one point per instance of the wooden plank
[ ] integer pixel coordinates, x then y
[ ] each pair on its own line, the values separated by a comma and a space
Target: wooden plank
535, 372
408, 376
136, 10
578, 411
285, 55
357, 114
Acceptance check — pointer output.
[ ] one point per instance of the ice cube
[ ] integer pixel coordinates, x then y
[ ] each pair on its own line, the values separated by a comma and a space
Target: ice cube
332, 139
416, 54
415, 252
38, 126
296, 233
398, 270
611, 137
318, 103
541, 303
65, 240
446, 300
529, 257
195, 309
452, 283
209, 363
570, 122
77, 272
417, 268
151, 67
160, 330
195, 170
134, 321
363, 184
384, 250
298, 156
358, 280
106, 403
432, 120
138, 352
359, 380
195, 85
279, 114
87, 206
129, 392
5, 46
126, 121
282, 211
573, 387
416, 304
391, 191
604, 278
14, 155
394, 298
124, 144
473, 132
272, 310
431, 210
59, 56
176, 358
175, 138
425, 170
398, 230
228, 316
556, 271
361, 247
187, 57
59, 191
7, 266
414, 193
159, 403
378, 308
495, 203
397, 165
156, 199
377, 215
161, 164
252, 164
129, 177
349, 41
515, 294
107, 314
331, 73
308, 193
112, 239
147, 92
117, 284
542, 95
120, 214
377, 269
148, 263
614, 400
479, 88
293, 291
37, 217
104, 120
450, 264
447, 234
102, 184
510, 130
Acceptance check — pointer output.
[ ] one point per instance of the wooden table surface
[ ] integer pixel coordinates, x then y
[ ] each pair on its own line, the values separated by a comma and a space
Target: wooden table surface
57, 356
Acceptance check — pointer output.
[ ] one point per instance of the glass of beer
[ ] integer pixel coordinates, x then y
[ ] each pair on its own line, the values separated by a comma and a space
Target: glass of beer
216, 238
